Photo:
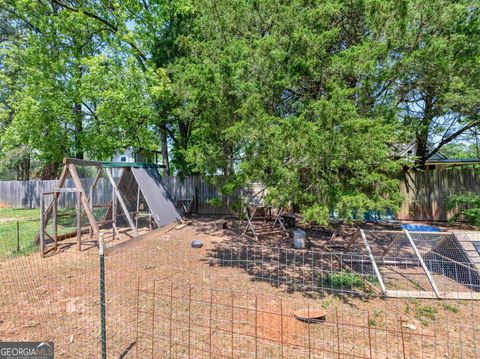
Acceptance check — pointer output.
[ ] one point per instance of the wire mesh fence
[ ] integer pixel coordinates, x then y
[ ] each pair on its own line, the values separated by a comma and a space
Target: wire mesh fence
187, 321
422, 263
164, 299
307, 270
47, 300
16, 237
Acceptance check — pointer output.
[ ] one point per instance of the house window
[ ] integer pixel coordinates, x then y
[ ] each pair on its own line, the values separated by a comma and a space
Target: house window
123, 159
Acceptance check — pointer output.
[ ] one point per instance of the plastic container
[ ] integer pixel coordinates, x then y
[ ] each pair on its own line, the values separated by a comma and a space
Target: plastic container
299, 239
197, 243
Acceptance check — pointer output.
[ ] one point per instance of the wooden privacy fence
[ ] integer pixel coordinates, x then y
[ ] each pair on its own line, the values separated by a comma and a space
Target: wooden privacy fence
207, 197
425, 193
26, 194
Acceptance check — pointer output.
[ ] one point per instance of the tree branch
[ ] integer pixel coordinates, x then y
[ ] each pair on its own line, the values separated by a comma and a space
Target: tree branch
112, 27
453, 136
22, 18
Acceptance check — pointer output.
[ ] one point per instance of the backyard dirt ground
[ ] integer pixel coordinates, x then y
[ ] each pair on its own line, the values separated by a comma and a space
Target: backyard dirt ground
166, 299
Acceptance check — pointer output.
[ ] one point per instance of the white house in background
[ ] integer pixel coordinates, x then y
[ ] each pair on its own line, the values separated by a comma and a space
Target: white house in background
437, 160
408, 150
126, 156
136, 155
131, 154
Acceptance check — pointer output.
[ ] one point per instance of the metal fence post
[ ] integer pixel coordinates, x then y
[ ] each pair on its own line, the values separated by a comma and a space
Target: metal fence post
42, 225
101, 252
18, 237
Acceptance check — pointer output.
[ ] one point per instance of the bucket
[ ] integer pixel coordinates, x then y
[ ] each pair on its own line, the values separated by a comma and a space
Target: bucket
299, 239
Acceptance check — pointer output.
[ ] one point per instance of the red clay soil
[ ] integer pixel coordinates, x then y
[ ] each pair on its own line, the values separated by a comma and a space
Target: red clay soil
165, 298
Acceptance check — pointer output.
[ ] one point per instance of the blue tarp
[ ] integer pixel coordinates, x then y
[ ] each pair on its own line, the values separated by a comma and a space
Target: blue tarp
419, 228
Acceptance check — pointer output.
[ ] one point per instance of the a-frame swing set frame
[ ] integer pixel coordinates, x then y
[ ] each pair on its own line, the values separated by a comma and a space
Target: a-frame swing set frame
84, 202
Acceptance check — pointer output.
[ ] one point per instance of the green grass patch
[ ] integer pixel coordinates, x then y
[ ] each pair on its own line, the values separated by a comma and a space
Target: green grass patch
450, 307
425, 313
345, 280
27, 229
20, 213
376, 319
28, 226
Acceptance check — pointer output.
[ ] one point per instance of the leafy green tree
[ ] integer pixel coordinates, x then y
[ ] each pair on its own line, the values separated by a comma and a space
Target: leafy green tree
151, 32
435, 70
467, 149
308, 97
15, 162
43, 101
284, 94
120, 112
56, 104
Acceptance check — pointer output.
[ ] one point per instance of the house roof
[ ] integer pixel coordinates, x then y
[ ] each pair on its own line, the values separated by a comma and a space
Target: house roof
401, 149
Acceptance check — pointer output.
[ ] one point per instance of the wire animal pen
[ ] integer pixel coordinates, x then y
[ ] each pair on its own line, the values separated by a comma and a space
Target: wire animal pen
398, 264
423, 264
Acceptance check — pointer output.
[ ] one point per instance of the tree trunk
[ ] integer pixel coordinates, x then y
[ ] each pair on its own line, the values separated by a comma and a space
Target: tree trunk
183, 141
28, 163
77, 109
50, 171
421, 151
23, 170
165, 160
421, 136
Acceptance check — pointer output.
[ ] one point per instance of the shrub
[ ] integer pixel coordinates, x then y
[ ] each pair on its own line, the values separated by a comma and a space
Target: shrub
469, 207
450, 307
215, 201
342, 280
317, 213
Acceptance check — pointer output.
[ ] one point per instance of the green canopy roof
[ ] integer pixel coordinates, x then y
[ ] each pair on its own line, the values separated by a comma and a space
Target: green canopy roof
109, 164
